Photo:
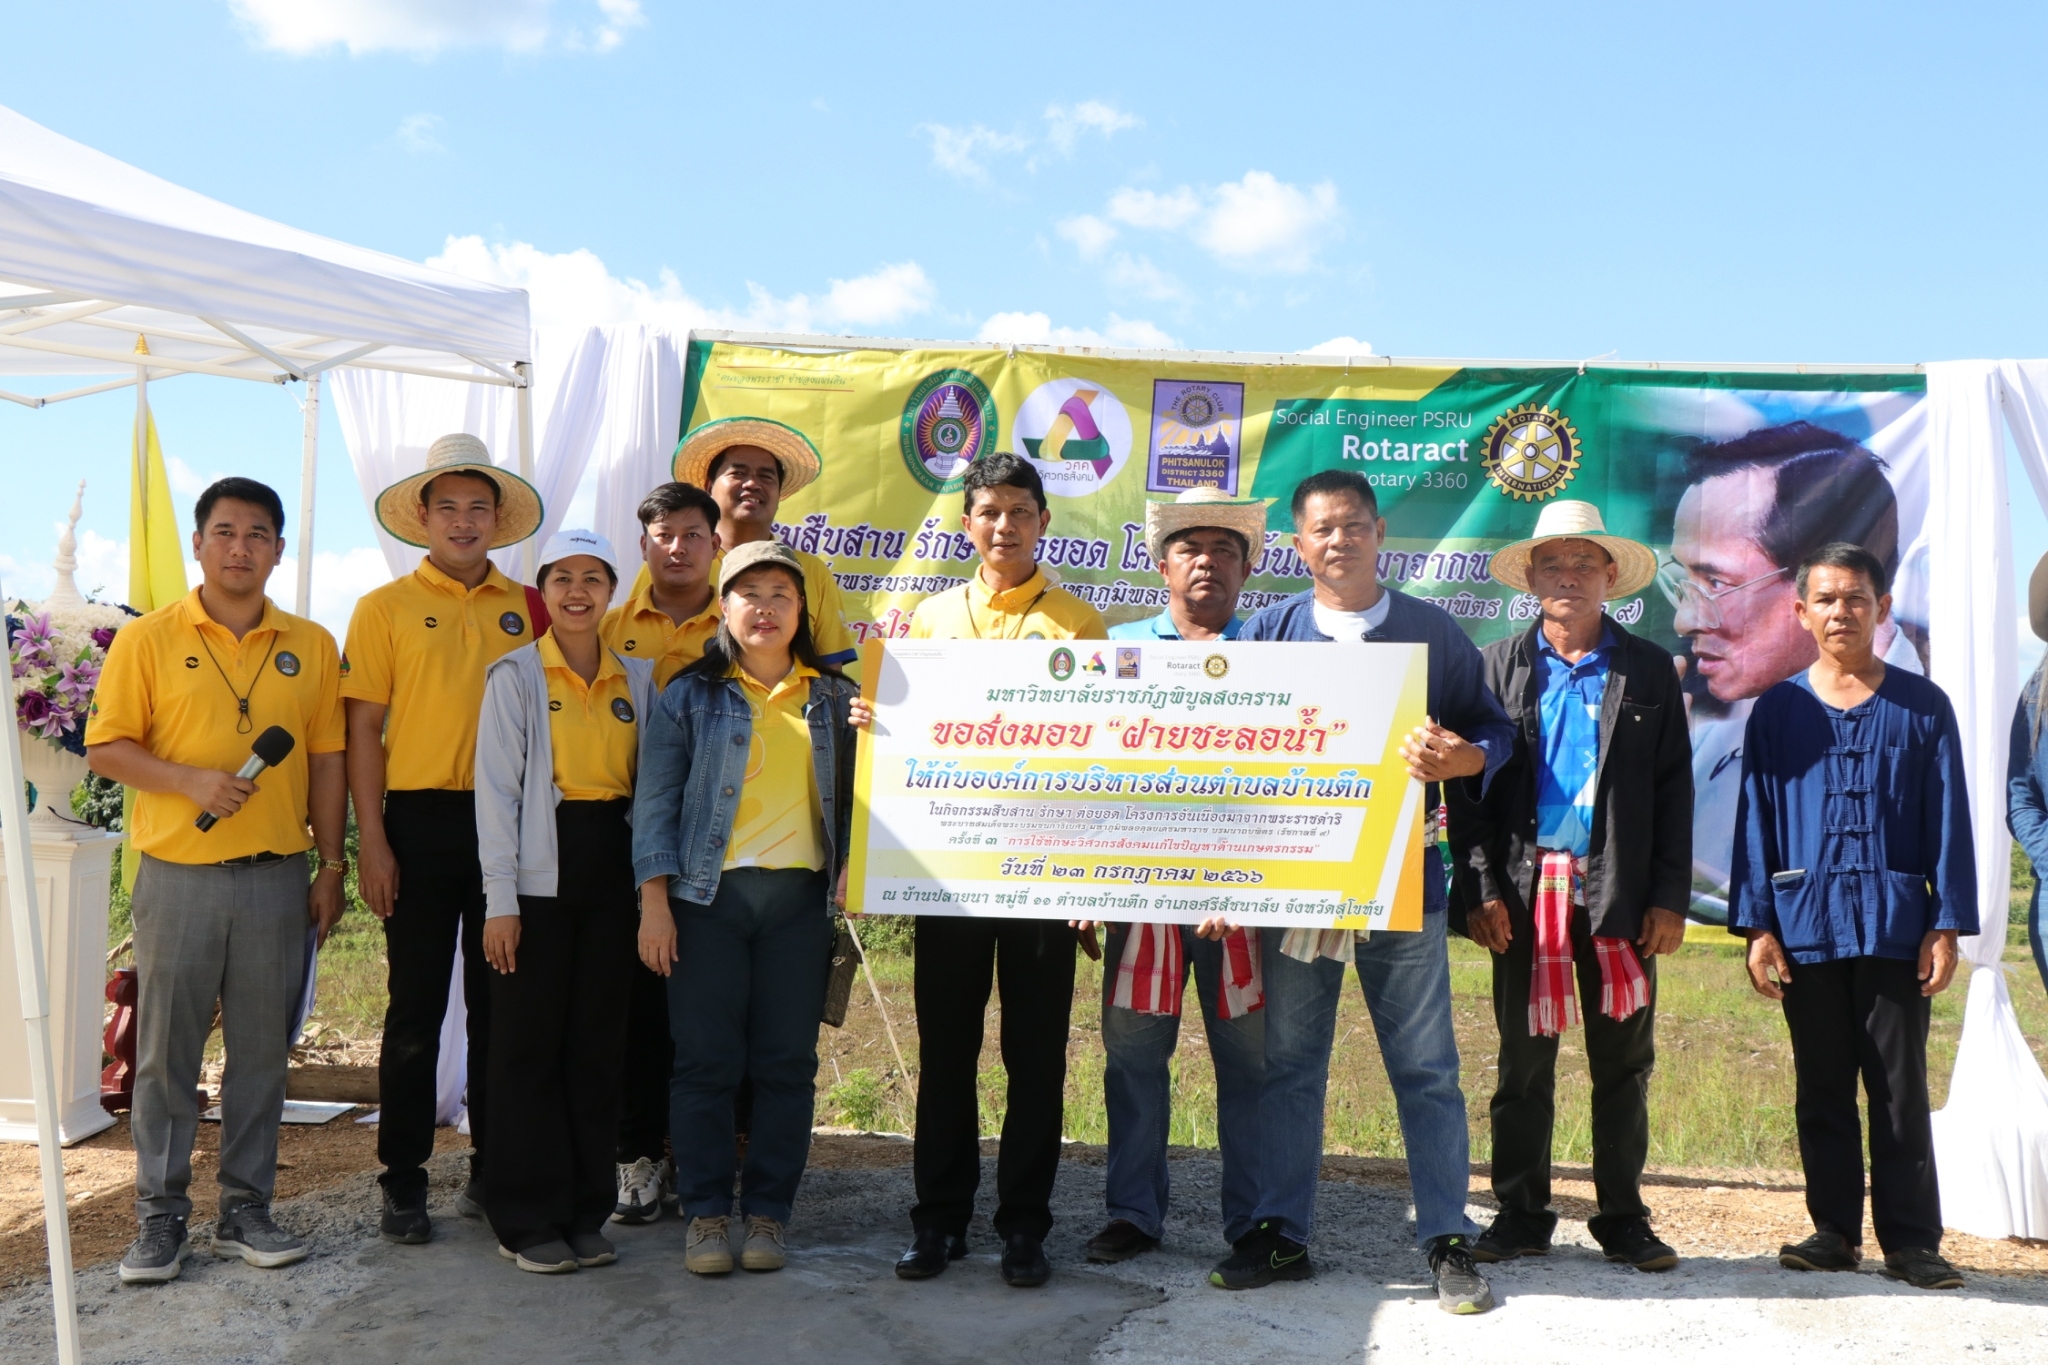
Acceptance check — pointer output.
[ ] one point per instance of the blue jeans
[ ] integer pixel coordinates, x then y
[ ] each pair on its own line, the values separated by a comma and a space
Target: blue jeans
1407, 983
744, 1000
1138, 1092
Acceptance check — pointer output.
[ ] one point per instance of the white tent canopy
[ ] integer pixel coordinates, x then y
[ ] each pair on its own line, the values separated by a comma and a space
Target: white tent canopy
94, 252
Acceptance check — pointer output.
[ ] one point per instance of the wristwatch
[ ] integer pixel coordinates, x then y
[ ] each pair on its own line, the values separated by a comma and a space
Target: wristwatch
339, 865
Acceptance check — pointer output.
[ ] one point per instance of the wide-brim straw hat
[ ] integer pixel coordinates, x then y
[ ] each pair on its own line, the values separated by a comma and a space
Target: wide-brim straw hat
519, 506
800, 461
1206, 505
1569, 520
2037, 599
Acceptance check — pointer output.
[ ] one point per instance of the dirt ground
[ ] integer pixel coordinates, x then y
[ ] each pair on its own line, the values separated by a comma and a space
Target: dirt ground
1700, 1212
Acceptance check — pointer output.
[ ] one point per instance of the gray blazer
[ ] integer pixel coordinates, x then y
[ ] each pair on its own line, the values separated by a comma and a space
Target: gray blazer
516, 799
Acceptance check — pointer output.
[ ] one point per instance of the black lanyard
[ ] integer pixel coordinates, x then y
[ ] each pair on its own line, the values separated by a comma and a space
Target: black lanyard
243, 724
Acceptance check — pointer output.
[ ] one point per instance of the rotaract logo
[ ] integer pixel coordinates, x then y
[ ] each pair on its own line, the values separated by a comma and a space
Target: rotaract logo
948, 423
1531, 452
1076, 433
1216, 666
1061, 665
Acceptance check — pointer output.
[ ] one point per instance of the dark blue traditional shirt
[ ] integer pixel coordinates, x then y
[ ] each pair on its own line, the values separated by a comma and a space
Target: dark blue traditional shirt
1852, 836
1458, 698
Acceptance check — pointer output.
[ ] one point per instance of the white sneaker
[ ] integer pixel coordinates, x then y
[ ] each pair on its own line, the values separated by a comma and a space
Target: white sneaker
764, 1249
640, 1191
707, 1249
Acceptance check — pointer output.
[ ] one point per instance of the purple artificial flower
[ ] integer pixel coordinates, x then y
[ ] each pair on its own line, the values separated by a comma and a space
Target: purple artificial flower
33, 708
36, 639
102, 637
77, 681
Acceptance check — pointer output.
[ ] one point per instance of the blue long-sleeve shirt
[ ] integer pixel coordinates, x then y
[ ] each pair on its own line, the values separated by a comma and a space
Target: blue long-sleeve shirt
2026, 787
1458, 696
1853, 828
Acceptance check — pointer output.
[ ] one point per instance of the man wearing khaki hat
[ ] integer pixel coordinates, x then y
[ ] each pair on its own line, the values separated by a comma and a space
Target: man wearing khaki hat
412, 682
1203, 544
1577, 861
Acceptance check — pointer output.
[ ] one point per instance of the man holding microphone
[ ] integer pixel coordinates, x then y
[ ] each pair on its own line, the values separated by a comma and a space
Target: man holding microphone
221, 913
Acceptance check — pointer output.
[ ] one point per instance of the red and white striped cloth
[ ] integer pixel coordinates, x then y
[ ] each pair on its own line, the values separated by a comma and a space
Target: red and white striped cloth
1149, 974
1553, 1005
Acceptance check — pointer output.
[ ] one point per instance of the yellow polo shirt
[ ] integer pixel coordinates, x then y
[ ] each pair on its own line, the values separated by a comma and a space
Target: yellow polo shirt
781, 821
1035, 610
420, 645
821, 594
591, 726
161, 689
639, 629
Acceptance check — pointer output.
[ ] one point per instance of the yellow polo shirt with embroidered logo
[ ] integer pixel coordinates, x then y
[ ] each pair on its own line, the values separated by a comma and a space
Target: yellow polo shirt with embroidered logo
1037, 609
781, 821
641, 630
160, 688
591, 726
420, 645
829, 631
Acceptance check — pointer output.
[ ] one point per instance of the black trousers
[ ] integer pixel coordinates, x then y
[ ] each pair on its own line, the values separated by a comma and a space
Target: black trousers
1032, 964
440, 896
1864, 1016
1619, 1053
649, 1057
558, 1032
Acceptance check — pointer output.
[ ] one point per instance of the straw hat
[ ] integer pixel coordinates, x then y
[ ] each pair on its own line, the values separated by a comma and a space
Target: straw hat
2037, 598
753, 555
563, 544
1206, 505
519, 506
1568, 520
791, 448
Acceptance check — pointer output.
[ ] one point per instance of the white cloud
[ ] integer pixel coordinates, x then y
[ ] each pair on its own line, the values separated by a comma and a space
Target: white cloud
339, 578
575, 288
416, 133
1137, 275
187, 482
425, 27
1036, 329
1258, 223
963, 151
1338, 346
1088, 233
1065, 123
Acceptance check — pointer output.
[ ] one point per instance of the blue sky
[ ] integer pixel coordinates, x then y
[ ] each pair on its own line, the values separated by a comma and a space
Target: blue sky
1680, 181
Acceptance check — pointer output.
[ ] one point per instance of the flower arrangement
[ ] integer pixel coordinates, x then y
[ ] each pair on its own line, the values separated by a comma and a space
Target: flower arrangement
57, 655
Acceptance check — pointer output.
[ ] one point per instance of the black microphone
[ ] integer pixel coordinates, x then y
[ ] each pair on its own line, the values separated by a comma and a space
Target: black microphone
269, 750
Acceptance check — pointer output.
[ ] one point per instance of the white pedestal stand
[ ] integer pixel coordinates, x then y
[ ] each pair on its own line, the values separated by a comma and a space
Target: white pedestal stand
73, 868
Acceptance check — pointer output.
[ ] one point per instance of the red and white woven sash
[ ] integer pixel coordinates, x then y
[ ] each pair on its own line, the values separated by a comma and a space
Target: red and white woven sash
1553, 1004
1149, 974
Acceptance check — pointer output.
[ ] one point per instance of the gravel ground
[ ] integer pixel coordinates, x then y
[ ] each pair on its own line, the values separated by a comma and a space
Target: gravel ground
361, 1301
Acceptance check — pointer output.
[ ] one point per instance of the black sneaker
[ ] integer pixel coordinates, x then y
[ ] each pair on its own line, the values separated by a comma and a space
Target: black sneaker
1636, 1245
1822, 1251
156, 1255
246, 1230
470, 1203
1922, 1268
1510, 1237
1260, 1257
1460, 1288
405, 1218
1120, 1241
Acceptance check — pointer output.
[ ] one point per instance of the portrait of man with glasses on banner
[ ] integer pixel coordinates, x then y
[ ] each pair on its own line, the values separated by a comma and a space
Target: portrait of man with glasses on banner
1753, 507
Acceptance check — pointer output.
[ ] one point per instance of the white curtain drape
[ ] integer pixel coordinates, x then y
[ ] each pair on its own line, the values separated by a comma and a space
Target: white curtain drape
1991, 1139
637, 441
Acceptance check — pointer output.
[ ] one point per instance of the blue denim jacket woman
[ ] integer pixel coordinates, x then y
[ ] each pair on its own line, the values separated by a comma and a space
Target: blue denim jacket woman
738, 851
2026, 804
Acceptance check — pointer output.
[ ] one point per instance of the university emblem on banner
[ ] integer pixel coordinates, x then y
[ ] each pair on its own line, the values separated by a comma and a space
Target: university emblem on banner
948, 424
1076, 433
1531, 452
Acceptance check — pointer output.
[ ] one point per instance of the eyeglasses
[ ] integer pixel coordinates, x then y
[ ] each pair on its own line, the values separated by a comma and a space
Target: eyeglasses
1687, 593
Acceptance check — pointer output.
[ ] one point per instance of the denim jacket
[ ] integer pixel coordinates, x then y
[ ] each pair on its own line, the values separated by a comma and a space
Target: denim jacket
693, 762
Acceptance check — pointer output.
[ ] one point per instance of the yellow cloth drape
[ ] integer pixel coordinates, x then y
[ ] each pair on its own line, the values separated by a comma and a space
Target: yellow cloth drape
156, 566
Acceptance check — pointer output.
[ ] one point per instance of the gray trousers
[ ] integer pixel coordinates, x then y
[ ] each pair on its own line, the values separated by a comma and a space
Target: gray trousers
204, 933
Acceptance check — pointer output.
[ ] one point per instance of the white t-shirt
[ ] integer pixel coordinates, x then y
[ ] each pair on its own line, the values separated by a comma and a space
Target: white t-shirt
1352, 625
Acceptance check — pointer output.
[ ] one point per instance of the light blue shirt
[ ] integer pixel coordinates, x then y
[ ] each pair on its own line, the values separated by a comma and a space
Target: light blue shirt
1161, 627
1568, 706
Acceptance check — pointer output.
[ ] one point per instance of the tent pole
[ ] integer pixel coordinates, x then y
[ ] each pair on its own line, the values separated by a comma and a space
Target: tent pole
525, 392
309, 471
32, 982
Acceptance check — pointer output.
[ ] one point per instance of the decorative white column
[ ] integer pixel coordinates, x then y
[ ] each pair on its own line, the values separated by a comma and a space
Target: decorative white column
73, 878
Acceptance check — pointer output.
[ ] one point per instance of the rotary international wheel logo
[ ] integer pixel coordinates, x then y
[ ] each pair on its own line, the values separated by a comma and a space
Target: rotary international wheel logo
1216, 666
948, 423
1531, 452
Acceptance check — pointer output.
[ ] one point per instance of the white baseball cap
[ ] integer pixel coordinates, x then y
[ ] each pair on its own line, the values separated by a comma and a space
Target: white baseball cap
562, 544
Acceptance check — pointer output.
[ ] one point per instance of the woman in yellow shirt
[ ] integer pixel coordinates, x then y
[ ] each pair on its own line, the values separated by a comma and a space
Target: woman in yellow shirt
557, 750
740, 826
